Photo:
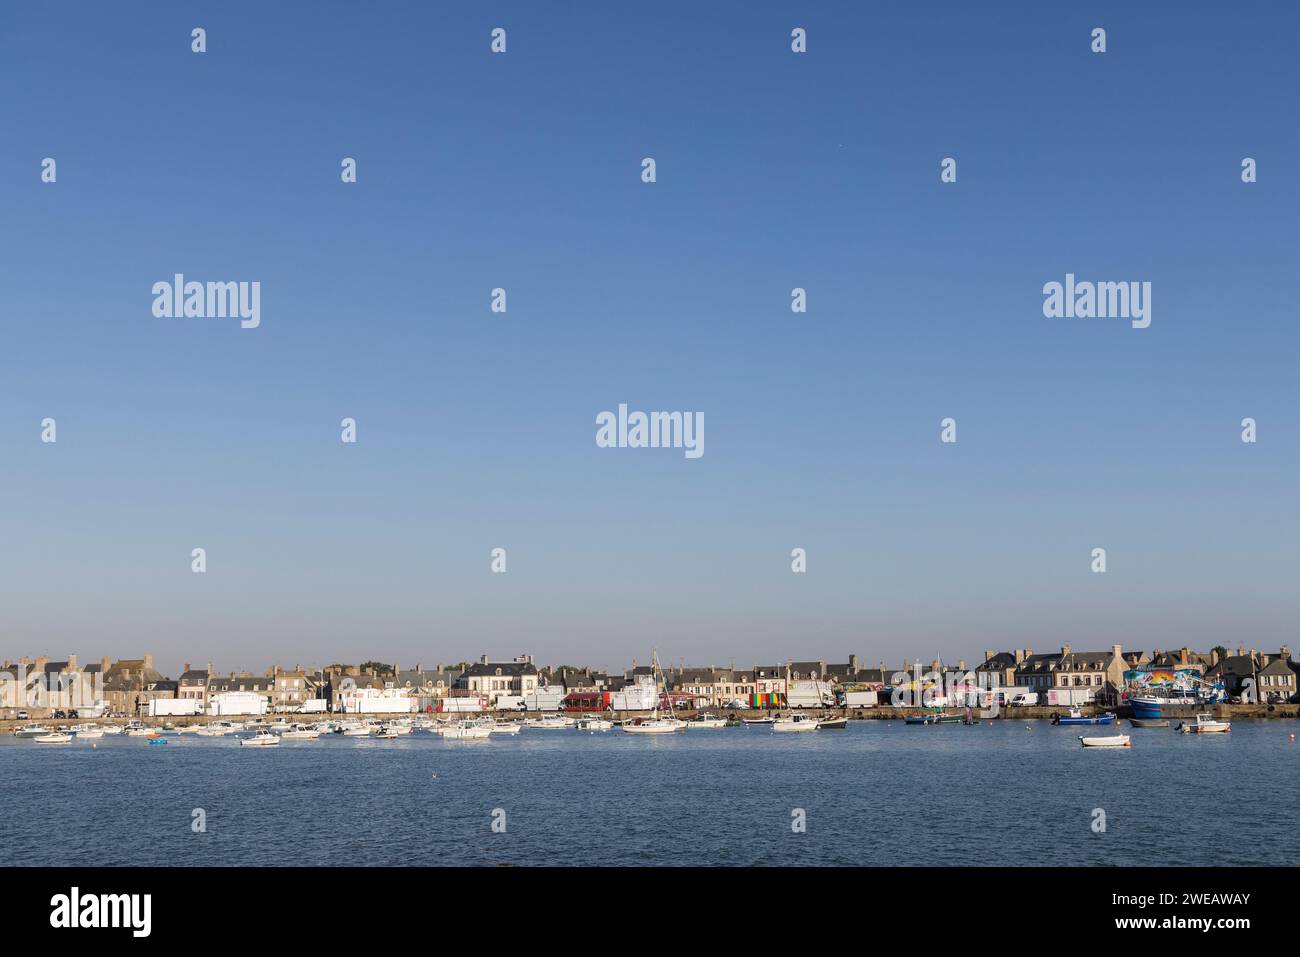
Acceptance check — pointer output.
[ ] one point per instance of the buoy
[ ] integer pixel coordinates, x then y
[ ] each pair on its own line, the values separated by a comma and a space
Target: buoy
1293, 737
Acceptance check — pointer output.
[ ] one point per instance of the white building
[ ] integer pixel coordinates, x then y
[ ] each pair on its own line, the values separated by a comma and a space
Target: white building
236, 702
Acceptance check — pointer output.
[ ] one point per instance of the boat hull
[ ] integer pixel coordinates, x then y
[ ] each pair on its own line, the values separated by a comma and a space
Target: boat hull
1109, 741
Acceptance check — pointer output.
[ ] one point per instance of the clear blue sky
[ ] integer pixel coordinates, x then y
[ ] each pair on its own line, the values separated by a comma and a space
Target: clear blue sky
477, 430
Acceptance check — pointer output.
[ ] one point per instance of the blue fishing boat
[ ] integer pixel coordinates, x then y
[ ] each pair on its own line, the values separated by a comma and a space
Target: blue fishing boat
1077, 717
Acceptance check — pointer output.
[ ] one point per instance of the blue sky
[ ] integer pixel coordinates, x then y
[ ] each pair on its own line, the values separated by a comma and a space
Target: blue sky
476, 430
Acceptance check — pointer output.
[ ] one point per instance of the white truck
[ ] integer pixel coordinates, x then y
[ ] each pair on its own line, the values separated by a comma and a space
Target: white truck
510, 702
861, 699
1070, 697
460, 705
809, 694
545, 699
314, 706
1023, 699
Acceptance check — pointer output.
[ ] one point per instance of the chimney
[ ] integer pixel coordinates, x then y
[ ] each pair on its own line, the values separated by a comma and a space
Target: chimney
104, 664
988, 655
961, 664
185, 667
72, 662
1029, 652
1214, 657
148, 662
853, 664
210, 671
1117, 651
1182, 656
1065, 650
1241, 652
1020, 655
1285, 653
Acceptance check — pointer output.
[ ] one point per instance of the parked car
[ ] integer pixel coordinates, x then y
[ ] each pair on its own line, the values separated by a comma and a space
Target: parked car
59, 714
72, 713
23, 716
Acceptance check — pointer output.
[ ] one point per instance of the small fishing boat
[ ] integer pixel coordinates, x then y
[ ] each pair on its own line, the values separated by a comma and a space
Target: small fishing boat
594, 724
1205, 724
1149, 722
507, 727
1078, 717
383, 731
112, 729
139, 733
87, 732
155, 739
1108, 741
795, 722
758, 722
54, 737
833, 724
262, 739
357, 731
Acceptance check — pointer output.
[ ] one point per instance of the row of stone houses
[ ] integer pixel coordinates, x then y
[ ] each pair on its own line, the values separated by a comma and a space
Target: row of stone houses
42, 686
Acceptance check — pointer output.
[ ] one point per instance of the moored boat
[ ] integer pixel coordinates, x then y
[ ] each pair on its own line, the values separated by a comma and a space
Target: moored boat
795, 722
1205, 724
594, 724
1107, 741
758, 722
1078, 717
707, 720
55, 737
262, 739
1149, 722
833, 724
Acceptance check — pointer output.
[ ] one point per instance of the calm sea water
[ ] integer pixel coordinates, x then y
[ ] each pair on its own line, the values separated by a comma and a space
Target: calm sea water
879, 793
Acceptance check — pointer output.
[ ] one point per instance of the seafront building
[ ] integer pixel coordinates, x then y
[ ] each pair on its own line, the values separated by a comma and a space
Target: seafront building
42, 687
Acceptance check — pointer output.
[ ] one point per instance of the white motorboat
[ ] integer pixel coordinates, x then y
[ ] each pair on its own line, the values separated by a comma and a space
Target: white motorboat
462, 732
1106, 741
555, 722
111, 729
88, 732
262, 739
795, 722
56, 737
1205, 724
32, 731
505, 727
140, 732
295, 733
278, 725
707, 721
594, 724
383, 731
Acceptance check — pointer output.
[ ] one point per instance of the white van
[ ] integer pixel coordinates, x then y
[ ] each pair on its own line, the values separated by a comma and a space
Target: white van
1024, 700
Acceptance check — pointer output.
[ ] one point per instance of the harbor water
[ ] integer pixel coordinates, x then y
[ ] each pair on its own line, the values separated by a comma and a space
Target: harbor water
879, 793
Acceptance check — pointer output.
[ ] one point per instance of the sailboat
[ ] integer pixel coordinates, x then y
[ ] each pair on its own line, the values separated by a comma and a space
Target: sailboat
654, 724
